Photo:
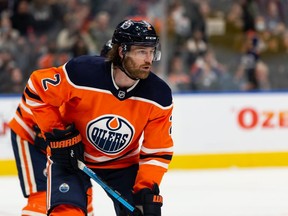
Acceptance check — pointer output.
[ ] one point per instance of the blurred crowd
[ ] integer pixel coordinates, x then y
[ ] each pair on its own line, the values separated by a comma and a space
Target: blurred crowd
224, 45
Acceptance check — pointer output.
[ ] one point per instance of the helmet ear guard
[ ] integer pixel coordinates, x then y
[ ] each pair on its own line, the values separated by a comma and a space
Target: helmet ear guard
125, 49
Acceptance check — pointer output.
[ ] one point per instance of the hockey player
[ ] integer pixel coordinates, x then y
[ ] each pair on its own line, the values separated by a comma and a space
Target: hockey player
98, 110
29, 149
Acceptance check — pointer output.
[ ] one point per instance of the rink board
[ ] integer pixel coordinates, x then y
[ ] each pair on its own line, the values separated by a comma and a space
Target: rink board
209, 130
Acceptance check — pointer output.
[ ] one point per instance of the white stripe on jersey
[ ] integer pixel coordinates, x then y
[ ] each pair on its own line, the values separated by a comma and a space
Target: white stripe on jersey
24, 107
155, 163
151, 151
25, 126
105, 159
152, 102
33, 103
24, 155
32, 213
31, 86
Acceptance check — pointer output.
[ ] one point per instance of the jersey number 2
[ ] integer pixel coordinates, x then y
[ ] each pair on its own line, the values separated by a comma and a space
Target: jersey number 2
53, 82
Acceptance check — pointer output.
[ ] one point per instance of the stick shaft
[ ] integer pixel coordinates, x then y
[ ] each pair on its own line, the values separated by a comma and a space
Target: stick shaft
108, 189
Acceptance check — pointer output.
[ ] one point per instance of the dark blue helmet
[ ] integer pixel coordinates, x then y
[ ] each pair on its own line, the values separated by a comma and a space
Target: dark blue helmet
137, 33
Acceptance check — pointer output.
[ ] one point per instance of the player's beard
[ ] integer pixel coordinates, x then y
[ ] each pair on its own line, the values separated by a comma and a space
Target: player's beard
134, 70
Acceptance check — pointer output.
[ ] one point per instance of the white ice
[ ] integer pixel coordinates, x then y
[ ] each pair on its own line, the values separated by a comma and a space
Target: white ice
224, 192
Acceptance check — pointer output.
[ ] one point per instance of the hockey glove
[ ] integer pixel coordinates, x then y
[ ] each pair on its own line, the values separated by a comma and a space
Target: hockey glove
66, 147
39, 141
149, 201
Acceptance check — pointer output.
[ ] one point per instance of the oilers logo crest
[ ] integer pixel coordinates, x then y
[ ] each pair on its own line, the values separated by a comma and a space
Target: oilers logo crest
110, 133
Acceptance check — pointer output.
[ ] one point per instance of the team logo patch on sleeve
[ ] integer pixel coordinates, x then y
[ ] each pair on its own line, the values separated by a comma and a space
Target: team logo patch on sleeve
110, 134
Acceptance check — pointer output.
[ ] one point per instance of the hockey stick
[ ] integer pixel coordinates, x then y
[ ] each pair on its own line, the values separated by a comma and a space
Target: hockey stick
109, 190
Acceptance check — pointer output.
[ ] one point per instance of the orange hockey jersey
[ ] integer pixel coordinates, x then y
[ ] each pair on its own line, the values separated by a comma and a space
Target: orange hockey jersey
112, 121
23, 121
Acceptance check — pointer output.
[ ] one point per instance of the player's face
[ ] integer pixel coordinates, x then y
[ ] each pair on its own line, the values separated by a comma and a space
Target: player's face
138, 61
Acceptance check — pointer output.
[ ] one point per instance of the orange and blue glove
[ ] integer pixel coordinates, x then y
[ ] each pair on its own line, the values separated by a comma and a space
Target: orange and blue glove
149, 201
66, 147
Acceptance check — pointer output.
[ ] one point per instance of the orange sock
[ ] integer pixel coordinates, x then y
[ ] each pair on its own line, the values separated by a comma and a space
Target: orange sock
36, 204
90, 201
66, 210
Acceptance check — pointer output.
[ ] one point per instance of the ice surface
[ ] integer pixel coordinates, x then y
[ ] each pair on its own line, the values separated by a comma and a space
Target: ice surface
227, 192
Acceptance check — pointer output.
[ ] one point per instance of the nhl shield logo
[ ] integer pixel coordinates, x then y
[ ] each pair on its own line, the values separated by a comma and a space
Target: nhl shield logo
121, 94
110, 133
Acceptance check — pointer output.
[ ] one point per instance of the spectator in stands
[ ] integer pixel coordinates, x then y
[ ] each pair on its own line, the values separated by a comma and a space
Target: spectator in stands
250, 58
182, 23
197, 12
10, 75
178, 78
207, 73
68, 35
22, 18
52, 57
79, 47
262, 76
273, 20
46, 17
4, 5
8, 35
285, 41
234, 17
74, 31
99, 29
250, 11
17, 82
196, 47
